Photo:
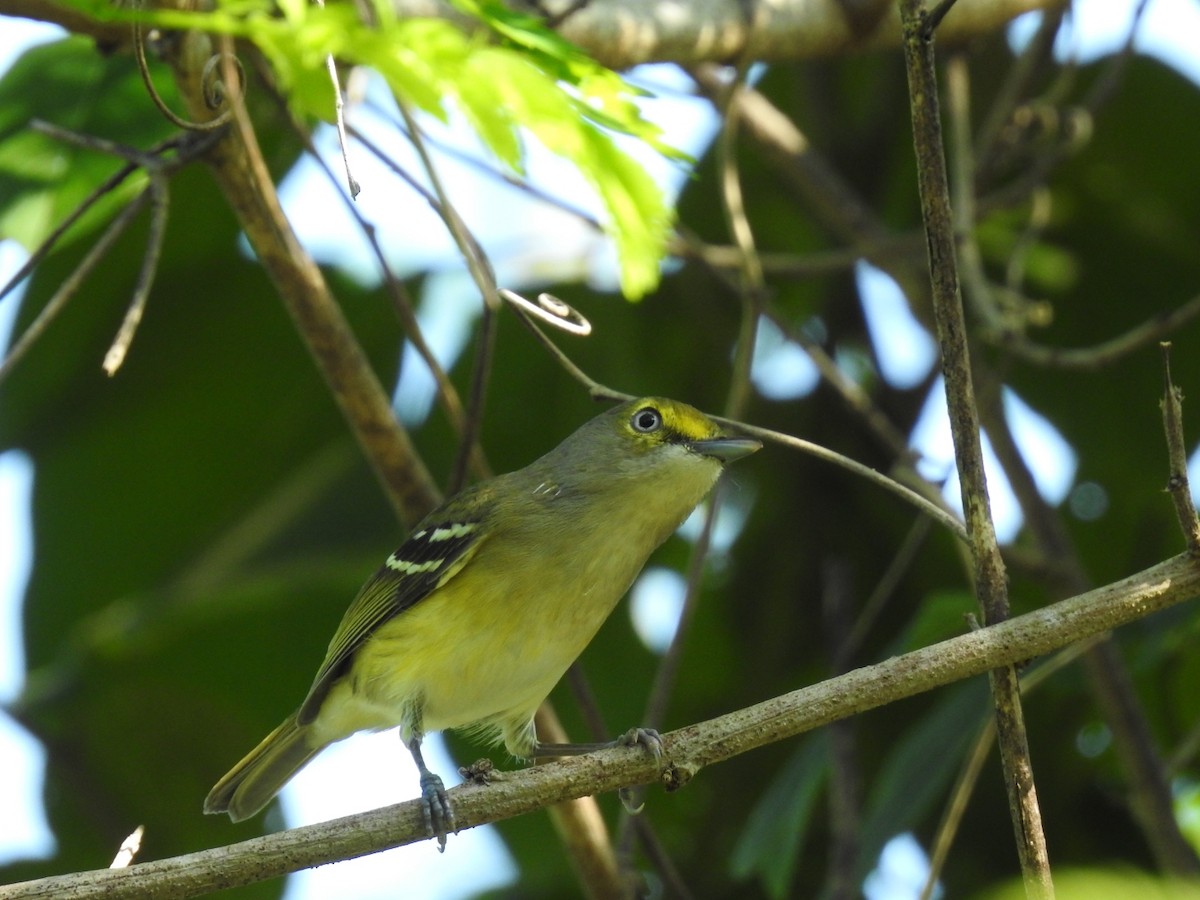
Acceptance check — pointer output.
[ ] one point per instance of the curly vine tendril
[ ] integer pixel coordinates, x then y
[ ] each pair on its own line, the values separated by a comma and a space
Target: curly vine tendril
213, 86
552, 311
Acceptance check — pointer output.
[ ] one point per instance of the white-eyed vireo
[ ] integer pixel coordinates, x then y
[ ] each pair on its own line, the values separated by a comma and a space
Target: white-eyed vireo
475, 618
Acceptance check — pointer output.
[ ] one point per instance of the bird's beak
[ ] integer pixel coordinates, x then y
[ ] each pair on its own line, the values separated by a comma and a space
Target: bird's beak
725, 449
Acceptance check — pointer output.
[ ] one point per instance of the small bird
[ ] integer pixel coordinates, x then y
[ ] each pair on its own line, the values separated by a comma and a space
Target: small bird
476, 617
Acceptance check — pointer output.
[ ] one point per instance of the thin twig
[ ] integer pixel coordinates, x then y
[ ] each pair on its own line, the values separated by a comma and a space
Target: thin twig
935, 16
107, 186
885, 587
452, 403
1100, 356
595, 389
733, 203
585, 699
487, 169
339, 104
68, 288
446, 392
159, 203
853, 395
668, 667
483, 274
485, 354
1148, 792
158, 169
751, 288
990, 579
977, 291
687, 245
674, 885
938, 513
472, 252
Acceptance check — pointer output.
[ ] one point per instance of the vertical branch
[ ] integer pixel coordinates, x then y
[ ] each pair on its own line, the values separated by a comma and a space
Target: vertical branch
241, 173
1177, 481
1149, 790
964, 424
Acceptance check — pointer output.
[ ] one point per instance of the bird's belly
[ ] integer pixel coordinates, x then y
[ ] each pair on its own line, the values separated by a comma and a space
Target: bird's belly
467, 656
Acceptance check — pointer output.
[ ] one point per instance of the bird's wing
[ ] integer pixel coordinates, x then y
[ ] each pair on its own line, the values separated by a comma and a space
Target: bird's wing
431, 556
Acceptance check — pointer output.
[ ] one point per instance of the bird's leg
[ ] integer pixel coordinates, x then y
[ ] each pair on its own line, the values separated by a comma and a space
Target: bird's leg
635, 737
435, 804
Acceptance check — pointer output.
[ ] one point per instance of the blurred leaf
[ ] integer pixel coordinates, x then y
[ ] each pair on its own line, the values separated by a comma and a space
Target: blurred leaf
43, 179
941, 615
769, 847
920, 765
1104, 884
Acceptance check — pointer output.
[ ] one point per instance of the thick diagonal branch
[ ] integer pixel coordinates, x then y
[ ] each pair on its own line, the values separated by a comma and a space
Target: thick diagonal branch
623, 33
685, 752
240, 171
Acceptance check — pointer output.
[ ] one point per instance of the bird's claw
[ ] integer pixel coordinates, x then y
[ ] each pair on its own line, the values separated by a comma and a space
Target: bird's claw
633, 799
437, 810
642, 737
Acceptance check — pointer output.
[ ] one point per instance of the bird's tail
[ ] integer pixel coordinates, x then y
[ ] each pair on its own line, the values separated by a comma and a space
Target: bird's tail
250, 785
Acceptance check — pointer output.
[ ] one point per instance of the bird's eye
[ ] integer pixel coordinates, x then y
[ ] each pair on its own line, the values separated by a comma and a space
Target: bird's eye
646, 420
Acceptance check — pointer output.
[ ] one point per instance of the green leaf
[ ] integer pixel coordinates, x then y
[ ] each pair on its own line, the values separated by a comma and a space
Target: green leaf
533, 80
941, 615
43, 179
1108, 883
770, 845
921, 764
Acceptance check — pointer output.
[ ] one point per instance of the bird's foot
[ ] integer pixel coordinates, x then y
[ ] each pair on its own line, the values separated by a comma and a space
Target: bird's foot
437, 809
642, 737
